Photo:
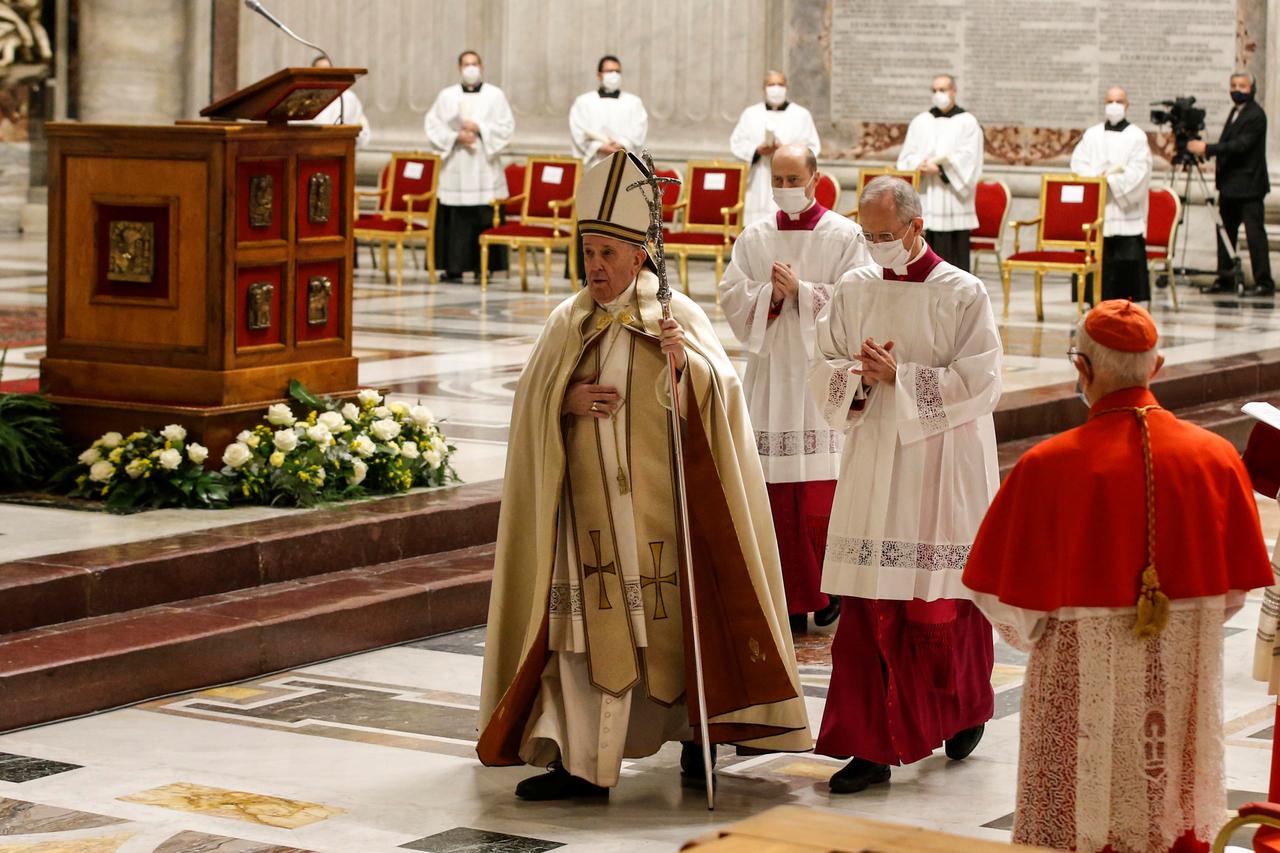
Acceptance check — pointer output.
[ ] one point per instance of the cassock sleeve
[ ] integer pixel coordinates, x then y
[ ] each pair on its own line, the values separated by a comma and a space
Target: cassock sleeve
441, 136
1131, 183
744, 297
963, 166
834, 388
913, 151
636, 132
579, 124
809, 133
815, 295
746, 137
931, 400
1017, 626
1085, 159
497, 127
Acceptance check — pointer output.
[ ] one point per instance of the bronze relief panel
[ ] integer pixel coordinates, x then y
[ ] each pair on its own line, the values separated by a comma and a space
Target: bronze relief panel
319, 294
261, 188
319, 198
131, 253
258, 310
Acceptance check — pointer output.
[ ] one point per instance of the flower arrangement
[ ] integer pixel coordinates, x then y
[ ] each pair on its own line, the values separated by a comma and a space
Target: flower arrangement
149, 469
331, 452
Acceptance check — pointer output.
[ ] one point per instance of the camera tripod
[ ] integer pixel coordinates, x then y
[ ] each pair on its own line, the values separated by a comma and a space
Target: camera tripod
1185, 166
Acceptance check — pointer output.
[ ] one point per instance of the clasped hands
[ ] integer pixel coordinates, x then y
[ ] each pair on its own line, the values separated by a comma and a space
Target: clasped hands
878, 363
469, 132
589, 400
785, 282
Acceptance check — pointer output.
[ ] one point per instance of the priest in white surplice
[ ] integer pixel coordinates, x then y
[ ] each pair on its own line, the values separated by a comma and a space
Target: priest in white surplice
1120, 152
783, 272
916, 357
345, 109
945, 143
761, 129
469, 125
607, 119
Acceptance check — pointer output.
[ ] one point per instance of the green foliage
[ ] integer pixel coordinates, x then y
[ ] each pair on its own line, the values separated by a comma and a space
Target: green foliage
31, 442
149, 470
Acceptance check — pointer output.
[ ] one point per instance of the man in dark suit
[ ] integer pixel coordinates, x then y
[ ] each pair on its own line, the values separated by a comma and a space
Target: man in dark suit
1242, 181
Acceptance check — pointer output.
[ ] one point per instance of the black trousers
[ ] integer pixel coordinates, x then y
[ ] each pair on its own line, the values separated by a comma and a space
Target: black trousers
1249, 212
1124, 270
951, 246
458, 230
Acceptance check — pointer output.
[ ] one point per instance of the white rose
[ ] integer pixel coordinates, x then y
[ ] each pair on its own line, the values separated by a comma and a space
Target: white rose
102, 471
320, 476
111, 440
399, 409
382, 412
433, 458
90, 456
385, 429
280, 415
409, 450
363, 446
421, 417
136, 468
351, 412
332, 421
244, 436
369, 397
170, 458
286, 440
197, 453
359, 471
236, 454
438, 444
320, 435
173, 432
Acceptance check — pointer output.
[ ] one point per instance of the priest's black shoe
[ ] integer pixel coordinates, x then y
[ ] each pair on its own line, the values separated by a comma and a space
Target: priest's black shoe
858, 775
799, 623
824, 617
963, 743
691, 764
557, 784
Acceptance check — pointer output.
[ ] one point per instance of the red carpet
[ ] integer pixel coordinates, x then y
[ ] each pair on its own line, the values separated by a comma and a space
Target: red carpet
21, 327
20, 386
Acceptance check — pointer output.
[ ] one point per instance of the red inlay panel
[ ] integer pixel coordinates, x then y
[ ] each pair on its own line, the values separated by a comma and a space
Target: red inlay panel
310, 302
332, 168
154, 215
246, 278
246, 172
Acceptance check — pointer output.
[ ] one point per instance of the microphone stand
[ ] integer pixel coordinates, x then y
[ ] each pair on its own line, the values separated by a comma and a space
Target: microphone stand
257, 6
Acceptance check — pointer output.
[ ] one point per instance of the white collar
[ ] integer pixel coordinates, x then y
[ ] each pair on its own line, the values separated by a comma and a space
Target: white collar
623, 301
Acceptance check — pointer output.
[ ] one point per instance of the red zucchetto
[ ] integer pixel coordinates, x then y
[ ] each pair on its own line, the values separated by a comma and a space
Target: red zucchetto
1123, 325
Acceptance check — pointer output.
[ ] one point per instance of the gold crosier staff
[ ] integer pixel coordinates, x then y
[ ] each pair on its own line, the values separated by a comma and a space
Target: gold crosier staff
654, 201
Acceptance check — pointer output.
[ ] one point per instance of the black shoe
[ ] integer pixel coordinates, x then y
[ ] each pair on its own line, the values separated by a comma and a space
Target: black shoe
691, 764
824, 617
799, 623
858, 775
1221, 287
451, 278
1263, 290
557, 784
960, 745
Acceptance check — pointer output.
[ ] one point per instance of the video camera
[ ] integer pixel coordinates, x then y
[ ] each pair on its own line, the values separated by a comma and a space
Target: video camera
1185, 119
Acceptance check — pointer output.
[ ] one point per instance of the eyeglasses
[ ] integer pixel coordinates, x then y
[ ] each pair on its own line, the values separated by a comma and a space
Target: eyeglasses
1073, 354
885, 236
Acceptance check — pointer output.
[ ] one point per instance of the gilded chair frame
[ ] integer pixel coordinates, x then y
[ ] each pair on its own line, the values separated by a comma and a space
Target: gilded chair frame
1090, 243
426, 236
1164, 265
562, 224
1003, 226
1255, 817
728, 229
866, 174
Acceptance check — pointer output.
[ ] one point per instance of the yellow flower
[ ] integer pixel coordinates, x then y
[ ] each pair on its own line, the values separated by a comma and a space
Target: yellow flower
311, 418
277, 459
245, 488
105, 489
135, 436
302, 475
115, 455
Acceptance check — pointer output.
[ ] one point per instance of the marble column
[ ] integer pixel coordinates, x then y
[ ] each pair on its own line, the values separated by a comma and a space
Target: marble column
135, 61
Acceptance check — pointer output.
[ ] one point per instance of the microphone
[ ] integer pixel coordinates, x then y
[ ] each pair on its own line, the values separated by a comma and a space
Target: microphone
257, 6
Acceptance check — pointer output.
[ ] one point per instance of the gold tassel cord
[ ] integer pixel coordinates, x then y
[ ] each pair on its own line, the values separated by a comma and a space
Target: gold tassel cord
1153, 604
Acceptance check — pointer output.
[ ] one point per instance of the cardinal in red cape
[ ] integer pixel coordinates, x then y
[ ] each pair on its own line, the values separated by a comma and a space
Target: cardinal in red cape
1113, 553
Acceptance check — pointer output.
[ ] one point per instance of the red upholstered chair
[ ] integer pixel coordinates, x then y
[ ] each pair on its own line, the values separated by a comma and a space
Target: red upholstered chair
711, 215
405, 210
827, 193
865, 176
670, 195
992, 200
1068, 237
546, 218
1164, 215
508, 209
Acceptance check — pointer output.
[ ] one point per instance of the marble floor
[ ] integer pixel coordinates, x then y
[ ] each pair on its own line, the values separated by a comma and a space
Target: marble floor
459, 351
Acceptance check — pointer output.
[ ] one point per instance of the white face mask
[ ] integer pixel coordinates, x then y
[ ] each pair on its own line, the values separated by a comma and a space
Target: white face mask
1114, 112
791, 200
775, 96
471, 74
892, 255
941, 100
611, 81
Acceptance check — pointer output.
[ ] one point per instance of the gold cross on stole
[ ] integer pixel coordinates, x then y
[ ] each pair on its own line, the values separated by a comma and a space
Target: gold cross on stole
600, 568
656, 580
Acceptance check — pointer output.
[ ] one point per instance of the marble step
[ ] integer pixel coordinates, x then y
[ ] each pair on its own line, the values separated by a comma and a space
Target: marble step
95, 582
104, 662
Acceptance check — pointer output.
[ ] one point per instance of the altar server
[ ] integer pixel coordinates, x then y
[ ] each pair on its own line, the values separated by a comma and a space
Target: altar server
346, 109
607, 119
761, 129
945, 143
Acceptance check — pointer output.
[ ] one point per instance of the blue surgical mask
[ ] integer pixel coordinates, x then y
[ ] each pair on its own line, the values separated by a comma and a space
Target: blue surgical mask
1083, 398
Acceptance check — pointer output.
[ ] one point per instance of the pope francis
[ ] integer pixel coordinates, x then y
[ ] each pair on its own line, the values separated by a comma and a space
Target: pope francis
588, 659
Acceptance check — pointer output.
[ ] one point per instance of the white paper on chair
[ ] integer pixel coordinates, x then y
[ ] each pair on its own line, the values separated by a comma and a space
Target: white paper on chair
552, 174
1072, 194
1264, 412
412, 171
712, 181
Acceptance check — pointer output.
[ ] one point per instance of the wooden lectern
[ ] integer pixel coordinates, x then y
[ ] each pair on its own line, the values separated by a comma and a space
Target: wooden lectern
195, 269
